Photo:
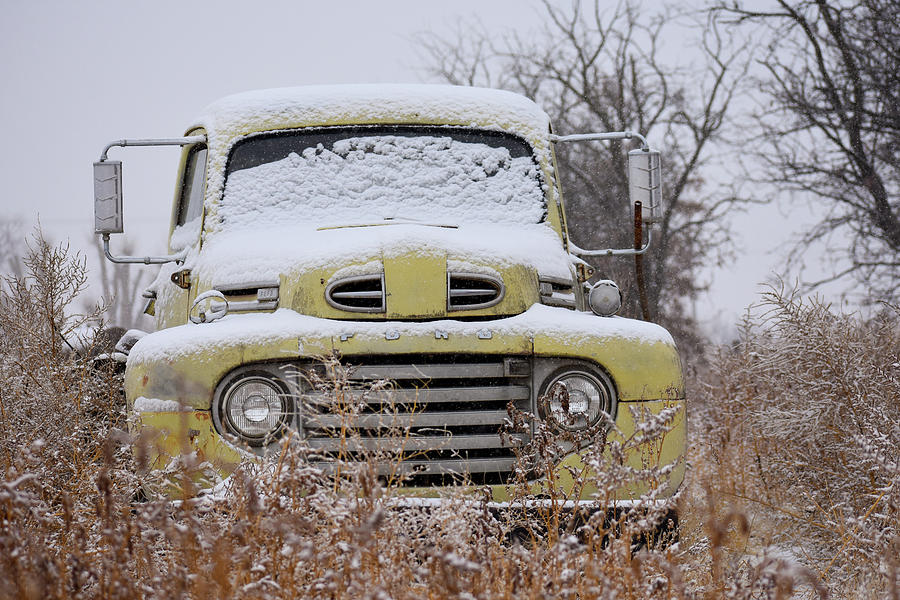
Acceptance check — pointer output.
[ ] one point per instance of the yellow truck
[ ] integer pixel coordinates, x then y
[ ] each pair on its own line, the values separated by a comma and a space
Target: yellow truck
410, 234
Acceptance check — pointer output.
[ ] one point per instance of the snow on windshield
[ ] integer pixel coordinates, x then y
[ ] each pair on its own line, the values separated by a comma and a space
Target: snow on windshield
365, 179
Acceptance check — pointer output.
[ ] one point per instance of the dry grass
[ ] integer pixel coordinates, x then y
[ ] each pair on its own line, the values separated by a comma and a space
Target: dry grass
799, 426
794, 489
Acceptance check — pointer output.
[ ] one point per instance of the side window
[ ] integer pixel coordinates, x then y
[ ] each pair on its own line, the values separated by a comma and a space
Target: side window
194, 187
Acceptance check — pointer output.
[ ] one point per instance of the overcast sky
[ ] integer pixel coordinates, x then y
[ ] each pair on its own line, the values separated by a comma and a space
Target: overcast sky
77, 75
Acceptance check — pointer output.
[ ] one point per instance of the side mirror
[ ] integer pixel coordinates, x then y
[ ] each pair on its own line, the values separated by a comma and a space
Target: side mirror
108, 197
644, 186
645, 183
108, 215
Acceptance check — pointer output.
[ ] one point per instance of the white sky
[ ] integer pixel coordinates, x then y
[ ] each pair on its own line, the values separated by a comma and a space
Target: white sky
77, 75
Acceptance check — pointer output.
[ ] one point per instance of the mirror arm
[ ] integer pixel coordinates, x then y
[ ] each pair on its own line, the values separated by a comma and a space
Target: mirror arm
610, 135
147, 260
613, 251
182, 141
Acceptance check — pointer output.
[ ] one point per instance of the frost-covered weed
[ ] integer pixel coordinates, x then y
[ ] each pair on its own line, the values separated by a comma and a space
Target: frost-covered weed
51, 395
802, 423
71, 525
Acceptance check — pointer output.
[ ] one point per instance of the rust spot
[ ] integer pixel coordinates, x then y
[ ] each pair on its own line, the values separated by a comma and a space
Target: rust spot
144, 381
201, 416
193, 433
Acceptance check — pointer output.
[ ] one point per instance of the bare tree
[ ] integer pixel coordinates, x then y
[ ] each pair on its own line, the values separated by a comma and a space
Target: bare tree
832, 125
120, 285
33, 304
596, 71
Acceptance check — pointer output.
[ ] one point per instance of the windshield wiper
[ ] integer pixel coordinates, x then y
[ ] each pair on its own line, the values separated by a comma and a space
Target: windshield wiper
390, 221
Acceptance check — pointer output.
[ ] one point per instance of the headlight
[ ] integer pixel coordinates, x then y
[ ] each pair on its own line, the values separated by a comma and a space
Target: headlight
256, 409
605, 298
576, 401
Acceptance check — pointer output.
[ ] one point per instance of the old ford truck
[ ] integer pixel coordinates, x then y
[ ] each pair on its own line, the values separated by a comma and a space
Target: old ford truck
412, 234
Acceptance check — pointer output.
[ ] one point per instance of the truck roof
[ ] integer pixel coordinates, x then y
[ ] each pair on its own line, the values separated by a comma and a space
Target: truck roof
238, 115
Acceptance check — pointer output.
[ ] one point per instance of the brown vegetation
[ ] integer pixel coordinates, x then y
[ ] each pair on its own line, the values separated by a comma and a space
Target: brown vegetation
795, 488
798, 425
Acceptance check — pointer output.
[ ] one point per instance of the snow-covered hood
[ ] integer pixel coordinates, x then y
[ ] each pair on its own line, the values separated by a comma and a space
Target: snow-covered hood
415, 258
237, 256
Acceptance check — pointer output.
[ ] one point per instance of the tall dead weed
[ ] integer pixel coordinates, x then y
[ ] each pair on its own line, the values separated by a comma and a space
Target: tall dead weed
800, 424
70, 525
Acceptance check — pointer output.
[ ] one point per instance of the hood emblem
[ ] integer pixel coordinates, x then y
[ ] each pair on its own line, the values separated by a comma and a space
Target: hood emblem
439, 334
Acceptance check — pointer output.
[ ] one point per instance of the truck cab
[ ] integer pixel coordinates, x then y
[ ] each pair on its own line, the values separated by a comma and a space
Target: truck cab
407, 246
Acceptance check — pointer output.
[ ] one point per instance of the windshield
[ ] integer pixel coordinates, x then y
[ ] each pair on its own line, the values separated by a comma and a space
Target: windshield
371, 175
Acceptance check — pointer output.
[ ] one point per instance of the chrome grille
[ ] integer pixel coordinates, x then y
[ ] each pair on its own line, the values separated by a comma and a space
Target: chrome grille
470, 291
362, 293
440, 421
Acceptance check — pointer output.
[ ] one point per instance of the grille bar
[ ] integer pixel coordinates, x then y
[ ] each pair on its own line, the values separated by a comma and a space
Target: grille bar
472, 292
428, 395
372, 294
427, 372
430, 419
444, 467
473, 465
417, 444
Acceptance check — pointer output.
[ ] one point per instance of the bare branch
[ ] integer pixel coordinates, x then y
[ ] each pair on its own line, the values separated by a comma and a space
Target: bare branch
833, 130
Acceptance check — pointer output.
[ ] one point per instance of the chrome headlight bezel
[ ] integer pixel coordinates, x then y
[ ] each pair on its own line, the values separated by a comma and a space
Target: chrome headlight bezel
253, 406
577, 387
